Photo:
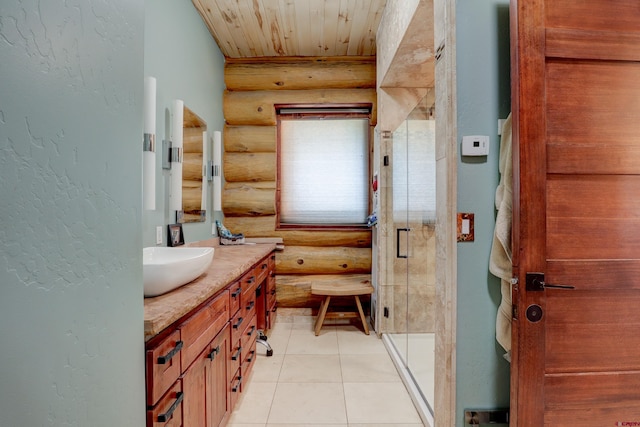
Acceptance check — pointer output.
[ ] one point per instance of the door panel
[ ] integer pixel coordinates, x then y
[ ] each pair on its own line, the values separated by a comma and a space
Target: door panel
586, 126
576, 136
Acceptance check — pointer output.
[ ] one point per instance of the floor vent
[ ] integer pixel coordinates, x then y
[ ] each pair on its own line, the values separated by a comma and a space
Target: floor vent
487, 417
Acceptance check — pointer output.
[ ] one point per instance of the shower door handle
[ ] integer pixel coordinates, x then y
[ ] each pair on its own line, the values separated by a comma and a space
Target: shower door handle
398, 230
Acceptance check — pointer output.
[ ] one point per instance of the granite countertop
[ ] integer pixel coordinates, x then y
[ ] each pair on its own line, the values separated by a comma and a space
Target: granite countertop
229, 263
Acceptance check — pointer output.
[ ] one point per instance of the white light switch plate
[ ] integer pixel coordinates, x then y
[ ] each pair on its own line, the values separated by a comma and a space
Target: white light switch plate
159, 235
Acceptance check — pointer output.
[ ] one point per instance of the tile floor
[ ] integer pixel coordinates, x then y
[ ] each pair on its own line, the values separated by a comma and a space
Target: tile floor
341, 378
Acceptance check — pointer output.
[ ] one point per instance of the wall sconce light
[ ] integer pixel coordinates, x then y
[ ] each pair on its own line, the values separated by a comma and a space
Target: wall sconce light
173, 150
216, 171
149, 145
205, 170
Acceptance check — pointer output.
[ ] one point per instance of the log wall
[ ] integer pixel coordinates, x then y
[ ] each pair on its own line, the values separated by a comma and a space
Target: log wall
253, 87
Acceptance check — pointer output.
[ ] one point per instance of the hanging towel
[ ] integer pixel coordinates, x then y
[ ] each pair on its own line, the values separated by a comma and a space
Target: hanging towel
500, 259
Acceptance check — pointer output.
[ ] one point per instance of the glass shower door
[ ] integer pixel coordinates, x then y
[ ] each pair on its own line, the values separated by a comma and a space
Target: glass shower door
413, 267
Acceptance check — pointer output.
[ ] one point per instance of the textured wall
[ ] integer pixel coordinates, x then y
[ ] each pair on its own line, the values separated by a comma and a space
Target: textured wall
483, 97
70, 254
187, 64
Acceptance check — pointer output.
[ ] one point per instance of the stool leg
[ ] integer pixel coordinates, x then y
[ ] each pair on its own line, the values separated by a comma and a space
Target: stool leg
364, 320
321, 314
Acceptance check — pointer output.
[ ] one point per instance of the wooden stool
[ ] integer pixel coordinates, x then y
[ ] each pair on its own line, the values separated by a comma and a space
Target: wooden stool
340, 290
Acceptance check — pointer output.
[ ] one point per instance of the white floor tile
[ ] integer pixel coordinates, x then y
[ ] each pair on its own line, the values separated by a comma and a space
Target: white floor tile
267, 369
254, 404
311, 368
305, 403
362, 368
379, 403
352, 340
305, 342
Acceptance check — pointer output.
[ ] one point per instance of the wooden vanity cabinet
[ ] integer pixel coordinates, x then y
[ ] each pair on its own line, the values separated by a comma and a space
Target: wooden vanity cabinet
196, 367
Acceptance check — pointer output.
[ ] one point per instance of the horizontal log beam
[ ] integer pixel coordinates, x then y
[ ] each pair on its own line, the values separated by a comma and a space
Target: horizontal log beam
303, 73
265, 226
192, 167
252, 139
323, 260
249, 167
246, 200
294, 291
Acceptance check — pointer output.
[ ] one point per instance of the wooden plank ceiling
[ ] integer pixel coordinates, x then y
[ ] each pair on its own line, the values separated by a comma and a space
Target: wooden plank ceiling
290, 28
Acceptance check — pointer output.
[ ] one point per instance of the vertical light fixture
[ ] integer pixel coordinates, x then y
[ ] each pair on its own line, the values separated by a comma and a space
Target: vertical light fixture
217, 168
149, 145
175, 156
205, 163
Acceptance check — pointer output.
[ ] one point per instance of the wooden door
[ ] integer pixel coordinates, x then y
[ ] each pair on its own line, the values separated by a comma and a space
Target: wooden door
576, 123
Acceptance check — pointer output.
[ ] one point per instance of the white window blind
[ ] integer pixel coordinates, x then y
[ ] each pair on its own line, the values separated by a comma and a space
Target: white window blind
324, 170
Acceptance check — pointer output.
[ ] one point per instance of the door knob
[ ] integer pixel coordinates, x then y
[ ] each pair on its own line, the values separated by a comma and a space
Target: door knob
535, 282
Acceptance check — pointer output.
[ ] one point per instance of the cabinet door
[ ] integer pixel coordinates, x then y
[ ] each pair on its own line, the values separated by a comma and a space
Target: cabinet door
195, 384
219, 368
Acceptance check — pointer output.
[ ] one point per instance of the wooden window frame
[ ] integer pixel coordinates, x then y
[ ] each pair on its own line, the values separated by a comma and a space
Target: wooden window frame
320, 111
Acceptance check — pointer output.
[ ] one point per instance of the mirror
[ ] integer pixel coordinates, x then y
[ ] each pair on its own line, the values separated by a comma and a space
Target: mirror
193, 164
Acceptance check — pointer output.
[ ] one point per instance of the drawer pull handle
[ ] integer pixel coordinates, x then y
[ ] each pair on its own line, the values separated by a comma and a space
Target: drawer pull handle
250, 305
163, 418
236, 387
214, 352
164, 359
251, 279
250, 358
251, 331
238, 323
237, 355
237, 292
264, 266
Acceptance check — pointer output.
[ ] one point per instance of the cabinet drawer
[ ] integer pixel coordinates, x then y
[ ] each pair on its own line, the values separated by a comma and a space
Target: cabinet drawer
235, 355
235, 293
238, 323
249, 285
168, 411
234, 389
249, 335
249, 360
271, 291
249, 300
262, 269
163, 366
271, 316
198, 331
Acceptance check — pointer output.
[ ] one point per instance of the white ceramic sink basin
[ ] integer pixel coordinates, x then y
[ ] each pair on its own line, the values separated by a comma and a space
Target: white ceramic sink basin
166, 268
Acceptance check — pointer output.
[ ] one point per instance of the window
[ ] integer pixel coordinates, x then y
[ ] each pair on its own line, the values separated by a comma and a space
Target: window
323, 166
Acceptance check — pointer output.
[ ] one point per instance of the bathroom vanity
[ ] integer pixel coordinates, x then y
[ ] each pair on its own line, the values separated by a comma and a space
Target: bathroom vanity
201, 338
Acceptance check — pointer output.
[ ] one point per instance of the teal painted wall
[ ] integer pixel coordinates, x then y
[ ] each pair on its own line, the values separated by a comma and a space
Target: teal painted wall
71, 311
483, 93
181, 54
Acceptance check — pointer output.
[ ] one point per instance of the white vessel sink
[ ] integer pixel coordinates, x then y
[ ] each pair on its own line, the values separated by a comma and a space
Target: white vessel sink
165, 268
